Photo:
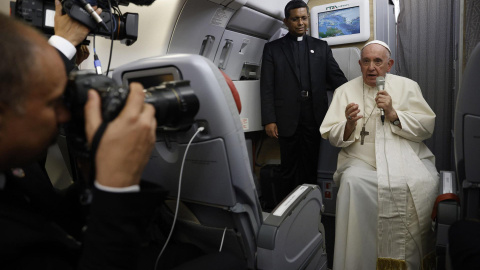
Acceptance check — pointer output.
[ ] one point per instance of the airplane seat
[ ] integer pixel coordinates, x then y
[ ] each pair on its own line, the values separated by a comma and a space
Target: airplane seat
220, 210
445, 213
464, 234
347, 59
234, 90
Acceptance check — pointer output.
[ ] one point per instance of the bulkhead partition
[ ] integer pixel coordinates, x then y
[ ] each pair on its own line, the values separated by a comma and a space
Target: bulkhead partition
236, 50
231, 36
199, 28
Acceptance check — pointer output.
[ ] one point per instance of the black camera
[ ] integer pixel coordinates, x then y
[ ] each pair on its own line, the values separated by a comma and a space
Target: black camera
40, 14
175, 103
123, 27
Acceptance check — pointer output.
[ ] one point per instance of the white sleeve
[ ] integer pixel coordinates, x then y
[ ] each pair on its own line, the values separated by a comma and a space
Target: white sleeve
63, 46
134, 188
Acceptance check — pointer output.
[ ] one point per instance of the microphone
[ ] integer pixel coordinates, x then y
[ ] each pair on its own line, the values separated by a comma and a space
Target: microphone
381, 86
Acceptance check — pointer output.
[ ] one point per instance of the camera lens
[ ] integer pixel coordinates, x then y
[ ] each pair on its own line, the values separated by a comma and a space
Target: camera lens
175, 104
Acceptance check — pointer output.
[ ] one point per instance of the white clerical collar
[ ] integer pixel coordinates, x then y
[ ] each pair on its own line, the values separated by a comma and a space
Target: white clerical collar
300, 38
366, 86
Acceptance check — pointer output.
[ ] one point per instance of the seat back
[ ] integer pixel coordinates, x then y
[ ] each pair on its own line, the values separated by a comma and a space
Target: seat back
217, 181
461, 252
220, 209
347, 59
467, 130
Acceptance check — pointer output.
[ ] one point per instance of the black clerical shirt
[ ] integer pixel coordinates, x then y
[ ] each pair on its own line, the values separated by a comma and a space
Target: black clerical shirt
300, 54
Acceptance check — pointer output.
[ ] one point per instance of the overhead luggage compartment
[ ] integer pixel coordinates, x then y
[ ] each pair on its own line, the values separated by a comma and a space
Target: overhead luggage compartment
200, 28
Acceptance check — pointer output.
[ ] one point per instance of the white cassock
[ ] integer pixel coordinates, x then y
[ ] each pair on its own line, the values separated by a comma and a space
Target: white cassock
388, 185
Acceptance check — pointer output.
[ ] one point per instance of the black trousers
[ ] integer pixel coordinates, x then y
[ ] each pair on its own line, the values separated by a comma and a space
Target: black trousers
299, 153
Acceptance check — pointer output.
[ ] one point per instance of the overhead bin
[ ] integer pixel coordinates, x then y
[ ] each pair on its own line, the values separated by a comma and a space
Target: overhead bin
232, 35
240, 51
233, 4
236, 50
255, 23
239, 56
226, 32
274, 8
200, 28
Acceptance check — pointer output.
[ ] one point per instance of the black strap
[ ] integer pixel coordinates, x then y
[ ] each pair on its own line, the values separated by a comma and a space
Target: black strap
97, 137
86, 196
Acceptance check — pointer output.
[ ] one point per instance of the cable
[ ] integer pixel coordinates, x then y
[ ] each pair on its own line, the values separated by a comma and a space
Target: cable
223, 238
393, 198
112, 18
382, 116
96, 62
93, 14
200, 129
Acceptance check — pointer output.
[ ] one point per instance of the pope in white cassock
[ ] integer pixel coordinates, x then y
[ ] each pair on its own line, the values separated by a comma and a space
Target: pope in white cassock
386, 175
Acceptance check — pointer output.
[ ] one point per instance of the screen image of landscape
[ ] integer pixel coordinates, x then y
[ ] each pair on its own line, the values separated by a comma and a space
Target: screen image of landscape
339, 22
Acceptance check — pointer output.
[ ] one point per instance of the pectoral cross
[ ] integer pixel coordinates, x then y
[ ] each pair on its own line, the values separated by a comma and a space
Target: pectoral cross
363, 133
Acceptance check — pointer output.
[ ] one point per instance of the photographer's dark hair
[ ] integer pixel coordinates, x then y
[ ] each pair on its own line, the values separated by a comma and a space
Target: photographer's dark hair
15, 72
294, 4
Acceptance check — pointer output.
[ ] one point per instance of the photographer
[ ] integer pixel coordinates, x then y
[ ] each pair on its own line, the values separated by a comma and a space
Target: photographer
39, 227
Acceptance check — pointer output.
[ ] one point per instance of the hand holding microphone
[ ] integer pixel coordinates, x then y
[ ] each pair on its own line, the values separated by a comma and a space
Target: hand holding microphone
381, 87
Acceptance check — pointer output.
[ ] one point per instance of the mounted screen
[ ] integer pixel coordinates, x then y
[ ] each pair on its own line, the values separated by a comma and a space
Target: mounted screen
151, 77
341, 22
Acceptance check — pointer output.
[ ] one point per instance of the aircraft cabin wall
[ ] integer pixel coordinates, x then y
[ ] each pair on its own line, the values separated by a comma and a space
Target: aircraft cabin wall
174, 26
156, 23
232, 36
155, 27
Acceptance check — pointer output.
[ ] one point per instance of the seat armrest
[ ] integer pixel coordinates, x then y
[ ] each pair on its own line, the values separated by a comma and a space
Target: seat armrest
291, 237
445, 212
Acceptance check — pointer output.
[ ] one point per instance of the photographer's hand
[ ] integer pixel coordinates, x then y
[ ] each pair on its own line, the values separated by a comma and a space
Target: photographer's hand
68, 28
126, 145
82, 54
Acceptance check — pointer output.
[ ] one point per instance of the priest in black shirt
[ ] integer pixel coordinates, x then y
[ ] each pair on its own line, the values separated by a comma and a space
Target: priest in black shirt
297, 71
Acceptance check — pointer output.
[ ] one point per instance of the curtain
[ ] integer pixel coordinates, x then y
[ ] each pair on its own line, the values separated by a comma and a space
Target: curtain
425, 49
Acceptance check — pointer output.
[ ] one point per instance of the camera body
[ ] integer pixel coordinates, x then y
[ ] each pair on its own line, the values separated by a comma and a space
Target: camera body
120, 27
175, 103
40, 14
